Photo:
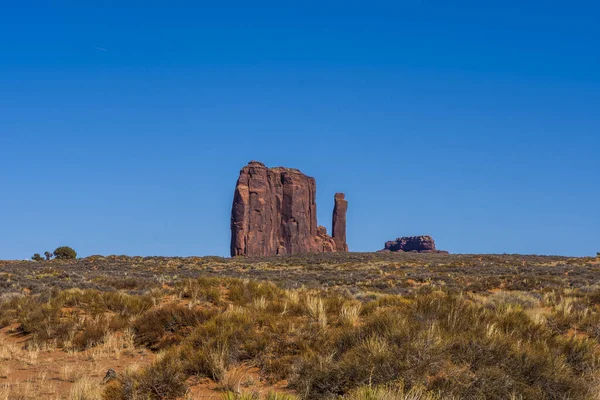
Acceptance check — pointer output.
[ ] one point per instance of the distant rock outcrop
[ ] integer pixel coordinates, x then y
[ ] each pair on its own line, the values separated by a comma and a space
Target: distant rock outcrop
275, 212
418, 244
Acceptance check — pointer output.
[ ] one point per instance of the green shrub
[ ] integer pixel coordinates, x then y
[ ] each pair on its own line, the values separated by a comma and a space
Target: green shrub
65, 253
37, 257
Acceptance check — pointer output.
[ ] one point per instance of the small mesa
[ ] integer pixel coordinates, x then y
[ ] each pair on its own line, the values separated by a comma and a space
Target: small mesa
412, 244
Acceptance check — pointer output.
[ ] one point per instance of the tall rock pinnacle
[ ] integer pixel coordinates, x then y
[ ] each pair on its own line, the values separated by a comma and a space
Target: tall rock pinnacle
338, 225
274, 212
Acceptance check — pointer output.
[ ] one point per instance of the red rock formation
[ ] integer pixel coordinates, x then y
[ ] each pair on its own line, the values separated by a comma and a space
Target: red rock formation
420, 244
275, 212
325, 243
338, 225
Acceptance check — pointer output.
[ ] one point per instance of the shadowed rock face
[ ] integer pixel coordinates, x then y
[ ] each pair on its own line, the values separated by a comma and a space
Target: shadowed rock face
275, 212
420, 244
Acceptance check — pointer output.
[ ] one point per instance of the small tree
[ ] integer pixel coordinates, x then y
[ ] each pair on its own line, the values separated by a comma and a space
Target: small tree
37, 257
48, 255
65, 253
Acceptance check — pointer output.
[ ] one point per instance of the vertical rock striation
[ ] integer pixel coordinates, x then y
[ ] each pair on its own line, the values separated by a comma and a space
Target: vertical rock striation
274, 212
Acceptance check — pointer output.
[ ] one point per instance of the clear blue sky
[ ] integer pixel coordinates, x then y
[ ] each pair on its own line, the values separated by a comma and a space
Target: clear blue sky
123, 125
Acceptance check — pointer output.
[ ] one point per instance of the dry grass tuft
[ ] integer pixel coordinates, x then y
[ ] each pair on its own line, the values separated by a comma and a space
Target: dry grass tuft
85, 389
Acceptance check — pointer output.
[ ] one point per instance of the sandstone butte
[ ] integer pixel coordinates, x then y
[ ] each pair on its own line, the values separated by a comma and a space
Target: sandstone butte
417, 244
274, 212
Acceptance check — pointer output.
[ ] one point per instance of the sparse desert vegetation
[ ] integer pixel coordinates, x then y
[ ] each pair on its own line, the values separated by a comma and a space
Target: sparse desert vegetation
323, 326
61, 253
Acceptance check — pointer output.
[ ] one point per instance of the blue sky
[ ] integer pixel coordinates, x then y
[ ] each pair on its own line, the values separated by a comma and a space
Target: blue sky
123, 125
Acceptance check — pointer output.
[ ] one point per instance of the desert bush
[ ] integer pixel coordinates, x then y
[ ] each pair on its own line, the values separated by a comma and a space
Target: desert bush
244, 291
201, 289
162, 380
240, 396
127, 305
166, 325
392, 393
256, 396
514, 298
93, 331
46, 323
10, 304
137, 284
464, 349
281, 396
37, 257
208, 360
222, 341
580, 353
